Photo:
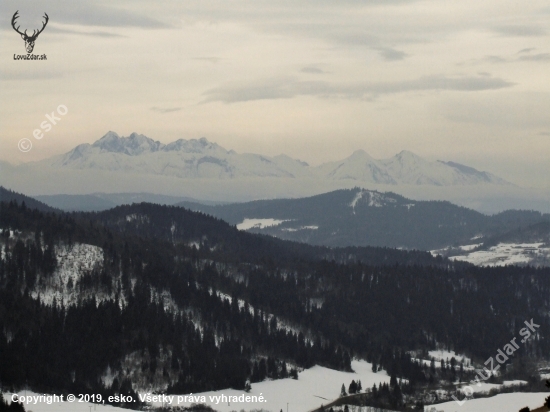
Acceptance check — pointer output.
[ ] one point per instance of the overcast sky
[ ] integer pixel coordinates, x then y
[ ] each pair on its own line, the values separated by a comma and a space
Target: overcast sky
460, 80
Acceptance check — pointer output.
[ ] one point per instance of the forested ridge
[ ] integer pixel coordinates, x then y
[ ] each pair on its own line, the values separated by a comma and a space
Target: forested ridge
366, 217
192, 304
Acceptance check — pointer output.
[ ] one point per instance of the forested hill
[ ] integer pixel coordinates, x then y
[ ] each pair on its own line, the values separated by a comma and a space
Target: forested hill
223, 241
7, 196
360, 217
128, 294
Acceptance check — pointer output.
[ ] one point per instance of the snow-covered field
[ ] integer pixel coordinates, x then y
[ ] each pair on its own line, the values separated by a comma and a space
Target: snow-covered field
467, 248
300, 228
444, 355
506, 254
440, 355
506, 402
501, 254
304, 401
484, 387
247, 224
315, 386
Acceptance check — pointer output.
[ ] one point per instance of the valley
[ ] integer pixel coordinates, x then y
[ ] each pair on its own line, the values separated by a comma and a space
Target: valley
207, 307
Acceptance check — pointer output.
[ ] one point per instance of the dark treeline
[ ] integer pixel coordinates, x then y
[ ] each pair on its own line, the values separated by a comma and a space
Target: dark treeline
291, 304
175, 224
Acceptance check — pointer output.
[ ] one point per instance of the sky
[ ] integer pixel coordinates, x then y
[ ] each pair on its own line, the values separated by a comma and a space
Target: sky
459, 80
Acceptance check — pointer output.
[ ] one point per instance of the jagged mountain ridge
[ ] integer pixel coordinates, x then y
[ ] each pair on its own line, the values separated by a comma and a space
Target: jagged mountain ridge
182, 158
203, 159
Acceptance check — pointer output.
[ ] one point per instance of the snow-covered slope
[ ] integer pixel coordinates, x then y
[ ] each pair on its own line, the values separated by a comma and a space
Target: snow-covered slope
508, 254
507, 402
314, 387
73, 262
359, 166
527, 245
248, 224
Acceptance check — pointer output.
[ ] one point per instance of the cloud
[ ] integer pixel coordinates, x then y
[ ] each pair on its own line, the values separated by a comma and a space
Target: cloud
391, 54
33, 74
165, 110
512, 110
520, 31
286, 88
496, 59
521, 56
536, 57
312, 70
349, 23
83, 13
95, 33
527, 50
544, 133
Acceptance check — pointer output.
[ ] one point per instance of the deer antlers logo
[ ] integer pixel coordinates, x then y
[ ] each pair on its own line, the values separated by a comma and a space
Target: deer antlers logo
29, 40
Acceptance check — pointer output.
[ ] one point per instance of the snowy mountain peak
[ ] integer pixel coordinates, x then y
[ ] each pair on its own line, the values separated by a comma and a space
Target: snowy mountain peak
201, 145
360, 156
133, 145
359, 166
407, 156
110, 135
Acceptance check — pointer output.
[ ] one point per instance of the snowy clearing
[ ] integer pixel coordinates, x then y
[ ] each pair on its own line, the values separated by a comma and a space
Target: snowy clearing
302, 395
506, 402
247, 224
484, 387
467, 248
440, 356
300, 228
445, 354
505, 254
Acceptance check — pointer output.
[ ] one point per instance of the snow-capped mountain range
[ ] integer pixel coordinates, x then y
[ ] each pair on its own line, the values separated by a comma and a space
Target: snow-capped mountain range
203, 159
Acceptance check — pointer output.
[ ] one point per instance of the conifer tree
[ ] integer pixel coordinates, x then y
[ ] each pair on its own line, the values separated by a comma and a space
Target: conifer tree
343, 391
